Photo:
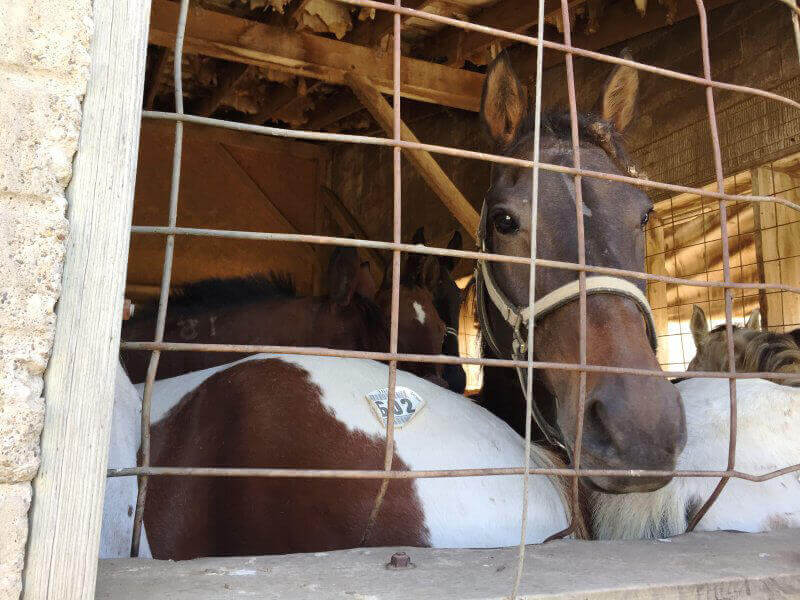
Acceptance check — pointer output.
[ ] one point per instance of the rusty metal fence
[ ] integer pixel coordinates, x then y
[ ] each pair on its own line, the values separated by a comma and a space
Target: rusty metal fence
158, 345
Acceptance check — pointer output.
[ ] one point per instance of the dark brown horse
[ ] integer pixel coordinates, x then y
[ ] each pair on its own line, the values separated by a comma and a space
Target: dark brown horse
267, 310
630, 422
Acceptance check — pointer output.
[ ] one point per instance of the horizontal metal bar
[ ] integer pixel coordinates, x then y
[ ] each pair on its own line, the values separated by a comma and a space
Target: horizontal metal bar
434, 474
464, 254
458, 152
445, 359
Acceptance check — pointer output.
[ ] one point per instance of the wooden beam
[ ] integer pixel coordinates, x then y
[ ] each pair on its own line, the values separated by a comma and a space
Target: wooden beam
278, 97
307, 250
349, 223
239, 40
343, 105
622, 22
154, 78
66, 514
427, 166
516, 16
227, 81
369, 33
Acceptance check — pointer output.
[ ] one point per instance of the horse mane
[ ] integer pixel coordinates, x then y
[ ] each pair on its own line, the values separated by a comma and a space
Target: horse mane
215, 293
542, 458
769, 352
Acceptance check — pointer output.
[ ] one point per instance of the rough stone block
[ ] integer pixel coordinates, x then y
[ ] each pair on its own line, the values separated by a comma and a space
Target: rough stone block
14, 502
47, 35
21, 418
38, 136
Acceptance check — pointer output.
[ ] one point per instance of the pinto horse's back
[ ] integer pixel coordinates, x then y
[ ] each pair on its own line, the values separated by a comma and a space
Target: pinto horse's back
314, 413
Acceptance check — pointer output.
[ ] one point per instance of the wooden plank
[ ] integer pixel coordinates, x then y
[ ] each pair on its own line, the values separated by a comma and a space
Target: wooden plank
349, 224
279, 96
427, 166
66, 513
516, 16
232, 137
332, 111
304, 54
227, 81
306, 250
620, 22
369, 33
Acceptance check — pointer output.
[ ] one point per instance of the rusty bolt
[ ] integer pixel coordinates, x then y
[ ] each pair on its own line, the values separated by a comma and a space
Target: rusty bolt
127, 310
399, 560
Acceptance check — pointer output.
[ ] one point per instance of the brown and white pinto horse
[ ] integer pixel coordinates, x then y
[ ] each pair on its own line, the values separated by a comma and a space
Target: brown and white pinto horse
313, 413
630, 422
266, 310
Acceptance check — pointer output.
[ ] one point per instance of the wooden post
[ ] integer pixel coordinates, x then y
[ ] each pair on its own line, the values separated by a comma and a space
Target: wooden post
79, 383
430, 170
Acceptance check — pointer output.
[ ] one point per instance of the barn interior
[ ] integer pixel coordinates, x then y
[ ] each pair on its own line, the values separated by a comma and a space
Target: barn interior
320, 65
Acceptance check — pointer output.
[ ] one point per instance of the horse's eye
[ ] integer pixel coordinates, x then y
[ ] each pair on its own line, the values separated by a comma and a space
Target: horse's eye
646, 217
504, 223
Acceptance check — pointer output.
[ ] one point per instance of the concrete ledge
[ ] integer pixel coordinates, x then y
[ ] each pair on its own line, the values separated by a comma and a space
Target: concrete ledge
700, 565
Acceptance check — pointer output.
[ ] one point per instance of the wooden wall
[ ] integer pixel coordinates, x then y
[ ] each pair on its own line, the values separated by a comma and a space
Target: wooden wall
229, 180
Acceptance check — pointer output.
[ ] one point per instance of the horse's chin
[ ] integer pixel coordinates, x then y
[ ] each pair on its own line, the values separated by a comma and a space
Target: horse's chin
626, 485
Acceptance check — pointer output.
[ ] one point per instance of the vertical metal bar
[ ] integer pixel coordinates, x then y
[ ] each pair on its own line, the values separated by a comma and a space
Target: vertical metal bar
726, 267
576, 158
796, 27
537, 126
397, 209
166, 275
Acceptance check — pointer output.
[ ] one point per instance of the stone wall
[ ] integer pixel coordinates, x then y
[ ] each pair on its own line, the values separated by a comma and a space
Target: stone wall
44, 66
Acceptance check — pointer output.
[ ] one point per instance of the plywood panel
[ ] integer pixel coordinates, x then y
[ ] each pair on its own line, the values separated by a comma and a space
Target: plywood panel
227, 182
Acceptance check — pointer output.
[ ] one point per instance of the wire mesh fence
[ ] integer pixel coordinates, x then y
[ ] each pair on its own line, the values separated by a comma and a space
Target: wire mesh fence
724, 286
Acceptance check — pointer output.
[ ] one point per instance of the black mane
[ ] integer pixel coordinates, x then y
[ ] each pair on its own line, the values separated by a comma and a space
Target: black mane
214, 293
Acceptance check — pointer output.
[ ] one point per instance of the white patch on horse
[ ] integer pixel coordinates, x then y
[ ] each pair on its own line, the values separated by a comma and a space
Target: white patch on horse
569, 182
765, 412
420, 312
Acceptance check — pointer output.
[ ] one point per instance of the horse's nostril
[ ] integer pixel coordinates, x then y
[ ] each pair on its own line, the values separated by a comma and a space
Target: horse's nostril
597, 425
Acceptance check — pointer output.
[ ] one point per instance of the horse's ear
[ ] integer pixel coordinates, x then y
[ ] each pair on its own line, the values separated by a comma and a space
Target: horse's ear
698, 325
448, 263
365, 284
429, 273
419, 236
343, 275
617, 103
504, 103
754, 320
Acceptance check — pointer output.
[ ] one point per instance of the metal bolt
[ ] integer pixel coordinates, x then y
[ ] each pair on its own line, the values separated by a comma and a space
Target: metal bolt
127, 310
399, 560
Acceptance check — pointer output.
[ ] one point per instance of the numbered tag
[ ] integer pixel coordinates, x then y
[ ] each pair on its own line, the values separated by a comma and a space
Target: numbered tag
407, 403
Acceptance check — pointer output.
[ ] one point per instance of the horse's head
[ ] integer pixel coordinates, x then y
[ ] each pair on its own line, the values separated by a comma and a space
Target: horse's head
754, 350
446, 299
420, 330
630, 422
712, 344
348, 277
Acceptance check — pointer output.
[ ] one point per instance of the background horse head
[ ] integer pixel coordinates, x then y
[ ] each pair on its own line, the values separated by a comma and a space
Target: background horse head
436, 274
630, 422
755, 351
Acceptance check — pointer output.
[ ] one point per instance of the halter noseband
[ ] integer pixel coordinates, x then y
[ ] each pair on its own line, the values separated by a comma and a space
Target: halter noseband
518, 317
